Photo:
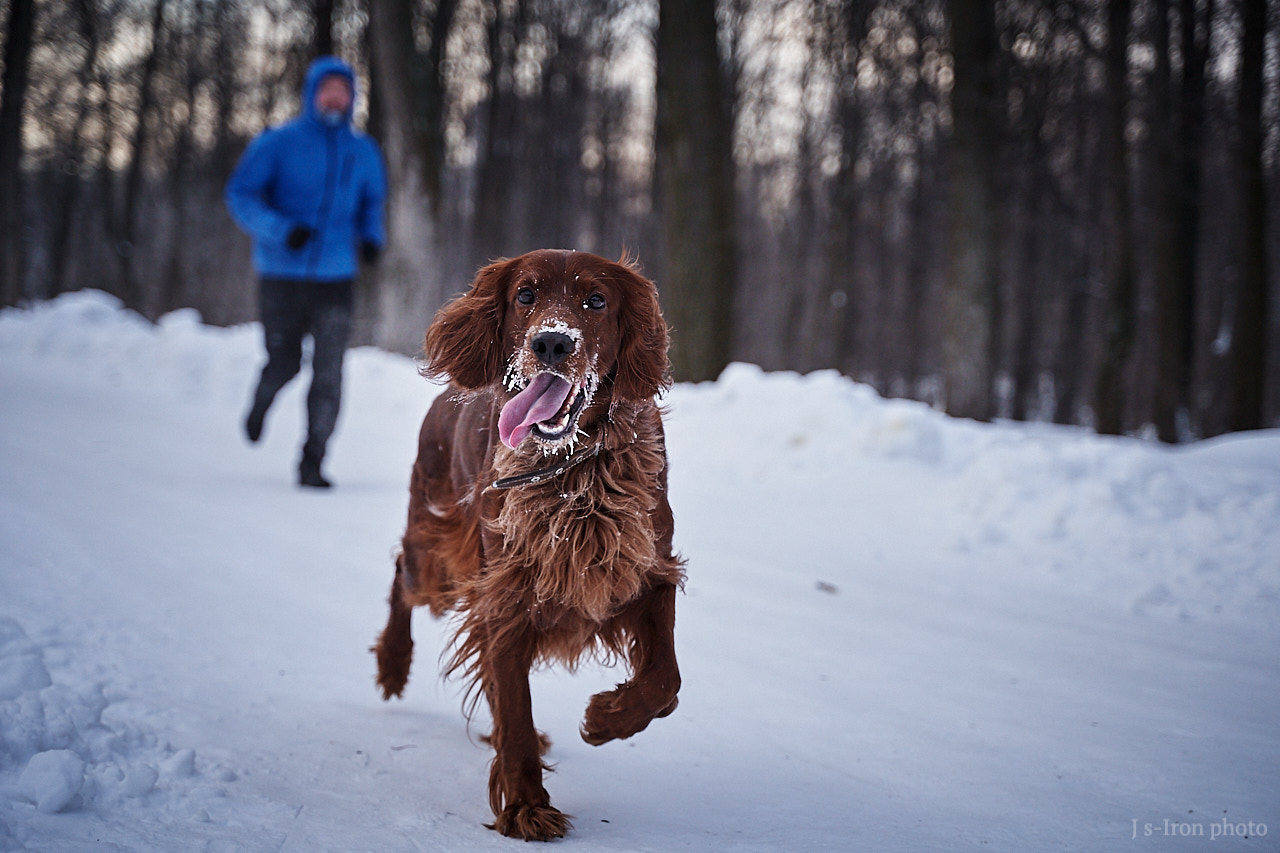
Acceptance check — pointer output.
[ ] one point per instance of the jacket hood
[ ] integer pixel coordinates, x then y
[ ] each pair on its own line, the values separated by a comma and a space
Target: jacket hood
321, 68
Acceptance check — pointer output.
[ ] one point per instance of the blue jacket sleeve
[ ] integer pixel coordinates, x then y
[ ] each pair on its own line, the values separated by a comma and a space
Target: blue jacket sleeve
248, 189
372, 200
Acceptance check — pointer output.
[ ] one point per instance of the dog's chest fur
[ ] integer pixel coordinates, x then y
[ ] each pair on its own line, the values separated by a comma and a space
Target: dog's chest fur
582, 544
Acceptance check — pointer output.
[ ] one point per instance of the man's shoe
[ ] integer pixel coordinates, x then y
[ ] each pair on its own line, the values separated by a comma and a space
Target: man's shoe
309, 475
253, 425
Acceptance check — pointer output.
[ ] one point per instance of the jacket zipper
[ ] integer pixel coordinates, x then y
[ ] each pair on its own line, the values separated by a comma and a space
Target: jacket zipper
326, 202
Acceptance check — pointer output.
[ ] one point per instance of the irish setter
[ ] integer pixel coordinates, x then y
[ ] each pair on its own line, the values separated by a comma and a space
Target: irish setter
538, 508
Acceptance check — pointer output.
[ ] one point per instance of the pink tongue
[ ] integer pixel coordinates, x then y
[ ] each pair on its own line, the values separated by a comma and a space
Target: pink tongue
542, 399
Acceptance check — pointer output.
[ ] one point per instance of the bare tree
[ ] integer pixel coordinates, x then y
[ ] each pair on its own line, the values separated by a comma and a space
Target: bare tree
323, 36
496, 167
17, 53
694, 187
409, 87
972, 320
124, 221
1177, 114
1120, 317
69, 184
1249, 329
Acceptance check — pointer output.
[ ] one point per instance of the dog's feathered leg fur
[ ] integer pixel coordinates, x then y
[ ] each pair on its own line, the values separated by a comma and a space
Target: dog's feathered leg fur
651, 691
395, 646
521, 806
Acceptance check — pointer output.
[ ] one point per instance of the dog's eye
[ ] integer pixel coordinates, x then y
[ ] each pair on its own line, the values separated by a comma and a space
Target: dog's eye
595, 301
524, 296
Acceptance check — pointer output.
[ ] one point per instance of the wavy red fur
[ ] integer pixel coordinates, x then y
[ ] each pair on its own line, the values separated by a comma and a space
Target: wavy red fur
579, 565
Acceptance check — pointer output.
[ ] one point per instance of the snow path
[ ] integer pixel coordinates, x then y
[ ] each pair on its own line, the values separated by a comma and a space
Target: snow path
900, 632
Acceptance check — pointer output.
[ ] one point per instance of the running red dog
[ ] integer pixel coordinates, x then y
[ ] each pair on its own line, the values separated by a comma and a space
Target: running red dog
538, 508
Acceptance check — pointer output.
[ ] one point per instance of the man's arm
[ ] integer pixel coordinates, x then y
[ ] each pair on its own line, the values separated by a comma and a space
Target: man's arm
247, 190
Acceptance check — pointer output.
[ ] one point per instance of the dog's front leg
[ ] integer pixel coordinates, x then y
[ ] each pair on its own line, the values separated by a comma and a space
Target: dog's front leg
521, 805
394, 649
655, 679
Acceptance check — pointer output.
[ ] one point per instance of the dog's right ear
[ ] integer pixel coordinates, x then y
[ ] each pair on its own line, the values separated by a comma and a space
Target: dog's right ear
464, 341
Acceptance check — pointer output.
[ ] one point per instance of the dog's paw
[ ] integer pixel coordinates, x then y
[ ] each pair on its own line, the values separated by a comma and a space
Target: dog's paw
542, 822
393, 668
620, 713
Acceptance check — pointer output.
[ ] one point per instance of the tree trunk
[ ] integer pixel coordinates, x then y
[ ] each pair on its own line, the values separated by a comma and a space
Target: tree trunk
1249, 330
1196, 37
839, 298
124, 228
17, 53
69, 182
495, 167
1068, 372
323, 37
1177, 113
1029, 293
971, 320
230, 32
694, 188
1121, 309
410, 283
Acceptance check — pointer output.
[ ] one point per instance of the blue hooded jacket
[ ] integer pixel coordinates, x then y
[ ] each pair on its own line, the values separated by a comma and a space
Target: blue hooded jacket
306, 172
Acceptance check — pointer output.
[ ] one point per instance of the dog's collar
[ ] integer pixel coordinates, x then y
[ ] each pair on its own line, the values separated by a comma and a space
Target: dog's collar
542, 474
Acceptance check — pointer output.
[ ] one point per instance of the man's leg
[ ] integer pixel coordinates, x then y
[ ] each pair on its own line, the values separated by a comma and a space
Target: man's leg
283, 324
331, 307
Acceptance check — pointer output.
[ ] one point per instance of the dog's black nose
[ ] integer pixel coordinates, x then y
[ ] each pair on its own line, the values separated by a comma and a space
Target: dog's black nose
551, 348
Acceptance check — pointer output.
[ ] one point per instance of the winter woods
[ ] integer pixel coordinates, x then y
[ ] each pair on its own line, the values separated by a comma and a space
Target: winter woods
1033, 209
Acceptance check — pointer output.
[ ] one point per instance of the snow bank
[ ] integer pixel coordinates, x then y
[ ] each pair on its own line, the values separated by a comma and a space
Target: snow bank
1181, 532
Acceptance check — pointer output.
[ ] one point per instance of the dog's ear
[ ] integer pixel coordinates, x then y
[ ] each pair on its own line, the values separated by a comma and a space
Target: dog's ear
643, 369
464, 341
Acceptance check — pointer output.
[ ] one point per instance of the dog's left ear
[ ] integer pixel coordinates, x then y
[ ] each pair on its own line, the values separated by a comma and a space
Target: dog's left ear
643, 369
464, 341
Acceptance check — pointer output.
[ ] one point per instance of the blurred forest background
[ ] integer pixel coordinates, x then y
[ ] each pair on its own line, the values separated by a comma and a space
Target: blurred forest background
1058, 210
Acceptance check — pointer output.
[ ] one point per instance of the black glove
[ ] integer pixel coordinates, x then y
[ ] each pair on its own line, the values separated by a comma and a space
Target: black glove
298, 237
370, 252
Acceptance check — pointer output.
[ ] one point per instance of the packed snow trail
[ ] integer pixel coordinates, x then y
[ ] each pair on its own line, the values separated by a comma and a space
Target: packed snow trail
900, 632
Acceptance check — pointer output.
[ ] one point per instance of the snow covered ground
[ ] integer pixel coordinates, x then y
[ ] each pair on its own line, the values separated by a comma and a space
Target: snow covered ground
900, 632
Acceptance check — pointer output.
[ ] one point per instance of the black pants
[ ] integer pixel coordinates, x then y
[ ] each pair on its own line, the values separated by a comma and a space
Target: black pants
290, 311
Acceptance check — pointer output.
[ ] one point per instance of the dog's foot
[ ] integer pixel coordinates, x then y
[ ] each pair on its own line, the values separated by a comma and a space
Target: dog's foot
393, 666
391, 687
542, 822
620, 713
